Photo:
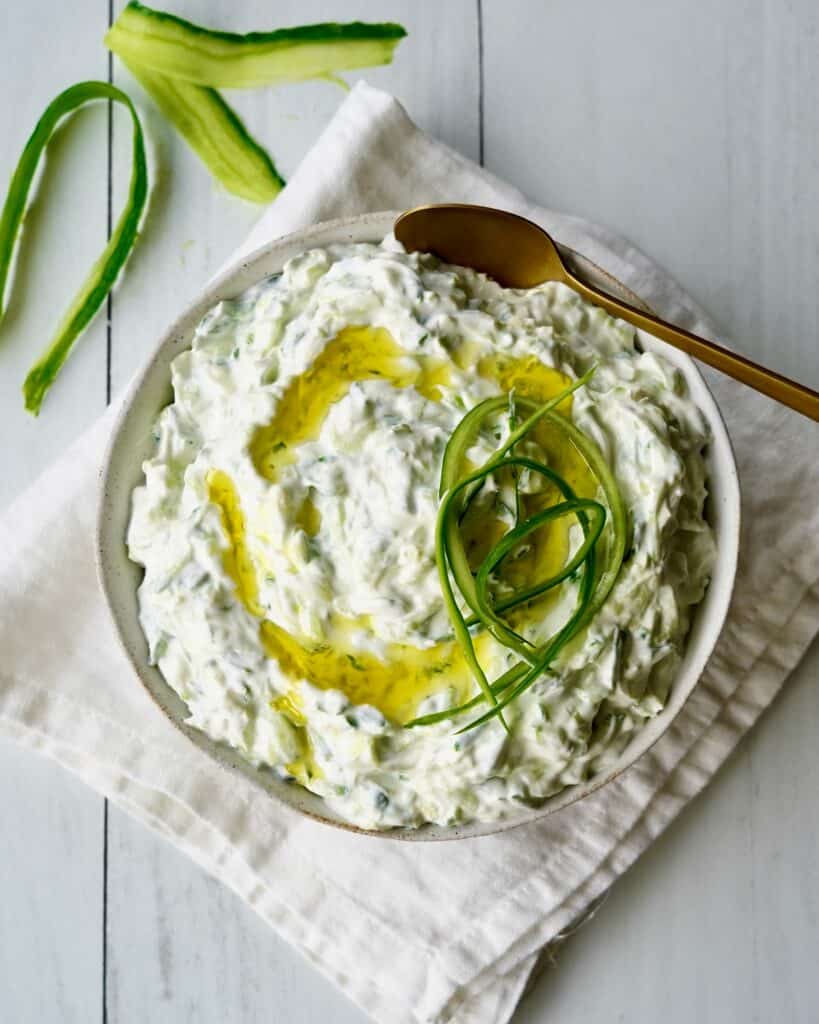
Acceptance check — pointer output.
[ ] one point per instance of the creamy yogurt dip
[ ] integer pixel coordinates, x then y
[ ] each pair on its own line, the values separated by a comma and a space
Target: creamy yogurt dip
286, 529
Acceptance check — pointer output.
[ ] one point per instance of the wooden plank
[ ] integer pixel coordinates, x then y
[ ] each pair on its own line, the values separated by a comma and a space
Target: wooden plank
180, 947
718, 921
694, 136
65, 230
50, 893
184, 948
51, 853
697, 138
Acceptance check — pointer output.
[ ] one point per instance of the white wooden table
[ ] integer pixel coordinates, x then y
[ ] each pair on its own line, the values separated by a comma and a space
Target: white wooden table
693, 128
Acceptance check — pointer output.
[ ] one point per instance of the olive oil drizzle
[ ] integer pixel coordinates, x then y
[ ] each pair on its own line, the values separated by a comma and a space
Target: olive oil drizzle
354, 354
397, 682
394, 684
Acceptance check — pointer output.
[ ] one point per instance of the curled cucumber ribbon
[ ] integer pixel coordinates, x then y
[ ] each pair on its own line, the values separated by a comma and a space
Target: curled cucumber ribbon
104, 273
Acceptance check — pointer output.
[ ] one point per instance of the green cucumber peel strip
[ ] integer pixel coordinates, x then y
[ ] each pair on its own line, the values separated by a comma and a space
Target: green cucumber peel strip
584, 554
550, 650
456, 496
215, 133
487, 614
467, 430
180, 65
597, 464
175, 47
474, 589
538, 589
459, 626
619, 518
106, 269
591, 598
593, 591
501, 684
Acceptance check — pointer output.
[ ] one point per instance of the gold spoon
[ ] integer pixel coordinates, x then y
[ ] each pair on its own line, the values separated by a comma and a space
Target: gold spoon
519, 254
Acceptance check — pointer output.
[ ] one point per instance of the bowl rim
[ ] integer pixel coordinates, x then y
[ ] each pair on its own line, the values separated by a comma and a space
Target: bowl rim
372, 227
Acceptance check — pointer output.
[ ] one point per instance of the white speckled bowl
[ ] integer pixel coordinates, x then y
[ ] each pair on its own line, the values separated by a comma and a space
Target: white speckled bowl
130, 445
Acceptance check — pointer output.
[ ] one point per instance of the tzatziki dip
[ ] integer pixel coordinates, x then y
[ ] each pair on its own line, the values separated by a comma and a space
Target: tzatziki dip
289, 529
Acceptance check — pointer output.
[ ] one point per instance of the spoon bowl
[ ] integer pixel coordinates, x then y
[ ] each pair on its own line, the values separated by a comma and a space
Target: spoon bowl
512, 250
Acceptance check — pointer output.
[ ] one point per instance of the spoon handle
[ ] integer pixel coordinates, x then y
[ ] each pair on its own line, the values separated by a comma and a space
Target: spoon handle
782, 389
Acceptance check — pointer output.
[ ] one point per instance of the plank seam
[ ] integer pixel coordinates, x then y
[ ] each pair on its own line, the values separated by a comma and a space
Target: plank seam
109, 306
480, 82
109, 310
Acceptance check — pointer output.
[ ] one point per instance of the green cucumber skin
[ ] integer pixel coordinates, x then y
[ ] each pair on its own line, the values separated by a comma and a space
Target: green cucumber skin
190, 107
181, 65
175, 47
106, 269
321, 32
451, 557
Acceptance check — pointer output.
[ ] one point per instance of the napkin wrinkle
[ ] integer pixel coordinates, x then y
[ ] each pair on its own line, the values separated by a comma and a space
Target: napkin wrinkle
368, 912
775, 610
674, 794
224, 861
713, 710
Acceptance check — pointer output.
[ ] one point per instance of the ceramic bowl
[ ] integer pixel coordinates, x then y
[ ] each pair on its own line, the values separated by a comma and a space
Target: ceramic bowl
131, 443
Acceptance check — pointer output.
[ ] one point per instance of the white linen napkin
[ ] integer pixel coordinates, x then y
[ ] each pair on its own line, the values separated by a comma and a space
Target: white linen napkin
411, 932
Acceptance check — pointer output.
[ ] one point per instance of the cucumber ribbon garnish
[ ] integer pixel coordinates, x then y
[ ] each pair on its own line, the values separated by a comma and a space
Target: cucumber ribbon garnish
181, 65
105, 271
596, 575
